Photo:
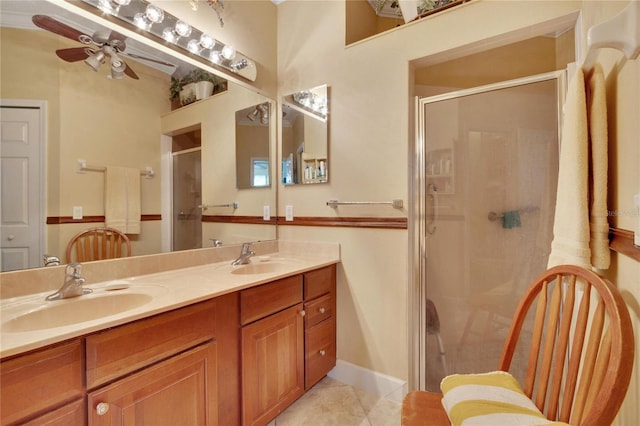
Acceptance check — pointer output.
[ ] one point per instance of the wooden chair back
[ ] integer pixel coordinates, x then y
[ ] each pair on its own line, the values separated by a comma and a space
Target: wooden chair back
98, 244
582, 346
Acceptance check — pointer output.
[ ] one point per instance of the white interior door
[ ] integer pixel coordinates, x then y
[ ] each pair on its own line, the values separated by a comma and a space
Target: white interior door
21, 171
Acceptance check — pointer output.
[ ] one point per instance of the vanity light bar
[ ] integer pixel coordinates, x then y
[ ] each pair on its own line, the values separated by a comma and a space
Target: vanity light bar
151, 19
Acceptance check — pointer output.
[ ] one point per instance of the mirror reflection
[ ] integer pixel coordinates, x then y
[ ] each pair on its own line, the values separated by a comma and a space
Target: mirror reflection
252, 146
82, 113
305, 137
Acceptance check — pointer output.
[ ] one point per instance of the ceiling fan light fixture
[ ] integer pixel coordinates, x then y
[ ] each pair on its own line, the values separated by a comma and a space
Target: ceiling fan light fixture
95, 60
117, 70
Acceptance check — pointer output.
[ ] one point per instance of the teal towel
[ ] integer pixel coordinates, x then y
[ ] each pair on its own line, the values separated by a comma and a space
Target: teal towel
511, 219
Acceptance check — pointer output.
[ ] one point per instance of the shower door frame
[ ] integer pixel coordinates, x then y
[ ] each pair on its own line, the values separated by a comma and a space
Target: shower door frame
418, 223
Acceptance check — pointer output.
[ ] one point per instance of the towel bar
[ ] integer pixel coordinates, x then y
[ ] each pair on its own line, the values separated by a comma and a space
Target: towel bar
210, 206
82, 166
396, 204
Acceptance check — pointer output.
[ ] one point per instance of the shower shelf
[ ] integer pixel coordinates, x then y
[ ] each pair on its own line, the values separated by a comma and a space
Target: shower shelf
440, 169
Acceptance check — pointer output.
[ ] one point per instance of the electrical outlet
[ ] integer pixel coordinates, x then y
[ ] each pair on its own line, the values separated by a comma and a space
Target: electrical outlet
288, 213
266, 213
77, 212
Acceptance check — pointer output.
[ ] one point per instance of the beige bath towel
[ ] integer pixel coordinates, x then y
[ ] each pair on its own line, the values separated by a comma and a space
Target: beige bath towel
122, 199
571, 224
581, 228
597, 101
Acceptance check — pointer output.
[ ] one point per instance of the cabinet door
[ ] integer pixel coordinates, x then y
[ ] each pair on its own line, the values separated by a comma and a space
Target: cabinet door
69, 415
40, 381
179, 391
272, 365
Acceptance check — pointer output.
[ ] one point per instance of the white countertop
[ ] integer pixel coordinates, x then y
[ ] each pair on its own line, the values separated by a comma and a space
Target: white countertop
162, 292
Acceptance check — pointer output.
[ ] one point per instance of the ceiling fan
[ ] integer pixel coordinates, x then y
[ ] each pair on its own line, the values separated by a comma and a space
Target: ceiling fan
102, 46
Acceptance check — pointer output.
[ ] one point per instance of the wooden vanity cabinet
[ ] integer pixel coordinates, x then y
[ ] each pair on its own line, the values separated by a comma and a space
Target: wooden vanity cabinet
288, 341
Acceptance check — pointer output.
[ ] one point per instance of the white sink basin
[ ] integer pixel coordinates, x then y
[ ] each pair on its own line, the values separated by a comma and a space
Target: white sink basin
75, 310
259, 268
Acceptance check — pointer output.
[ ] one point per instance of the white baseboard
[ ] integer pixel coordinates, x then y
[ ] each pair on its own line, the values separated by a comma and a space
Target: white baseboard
370, 381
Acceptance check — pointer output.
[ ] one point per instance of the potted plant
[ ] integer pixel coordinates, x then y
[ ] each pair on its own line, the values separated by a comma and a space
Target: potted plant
196, 85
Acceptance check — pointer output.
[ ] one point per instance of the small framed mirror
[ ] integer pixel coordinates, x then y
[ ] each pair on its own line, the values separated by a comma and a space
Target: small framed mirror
252, 146
305, 129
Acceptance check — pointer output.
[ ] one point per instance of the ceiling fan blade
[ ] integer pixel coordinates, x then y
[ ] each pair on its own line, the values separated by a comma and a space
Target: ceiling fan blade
144, 58
50, 24
73, 54
128, 71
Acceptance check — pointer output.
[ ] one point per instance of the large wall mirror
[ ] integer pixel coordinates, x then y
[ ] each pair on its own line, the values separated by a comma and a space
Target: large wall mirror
305, 129
107, 121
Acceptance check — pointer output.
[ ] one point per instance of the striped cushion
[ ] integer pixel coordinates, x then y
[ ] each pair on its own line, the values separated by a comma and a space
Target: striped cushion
493, 398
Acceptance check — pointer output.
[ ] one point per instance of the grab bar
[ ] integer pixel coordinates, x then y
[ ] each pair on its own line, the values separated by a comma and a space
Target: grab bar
396, 204
211, 206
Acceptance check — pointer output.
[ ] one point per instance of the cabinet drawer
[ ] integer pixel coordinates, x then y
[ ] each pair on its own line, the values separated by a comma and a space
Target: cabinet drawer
40, 381
318, 309
116, 352
319, 282
266, 299
320, 351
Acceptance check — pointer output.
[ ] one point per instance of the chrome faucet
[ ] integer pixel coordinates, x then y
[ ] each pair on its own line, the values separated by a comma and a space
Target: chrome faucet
72, 286
245, 255
50, 260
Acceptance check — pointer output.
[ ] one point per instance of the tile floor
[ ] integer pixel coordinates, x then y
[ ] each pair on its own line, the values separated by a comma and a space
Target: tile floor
333, 403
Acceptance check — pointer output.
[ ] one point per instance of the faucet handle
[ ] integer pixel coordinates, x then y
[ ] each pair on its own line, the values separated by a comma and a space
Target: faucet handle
74, 269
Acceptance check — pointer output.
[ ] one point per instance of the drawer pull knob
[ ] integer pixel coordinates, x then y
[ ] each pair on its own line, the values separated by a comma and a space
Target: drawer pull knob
102, 408
302, 313
322, 352
322, 310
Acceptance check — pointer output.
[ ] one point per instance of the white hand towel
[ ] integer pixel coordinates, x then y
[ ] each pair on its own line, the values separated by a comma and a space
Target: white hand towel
122, 199
571, 224
600, 255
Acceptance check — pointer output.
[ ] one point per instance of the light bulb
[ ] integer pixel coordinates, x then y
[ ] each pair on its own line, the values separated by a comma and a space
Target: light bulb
193, 46
206, 41
169, 35
183, 29
141, 21
228, 52
215, 57
154, 14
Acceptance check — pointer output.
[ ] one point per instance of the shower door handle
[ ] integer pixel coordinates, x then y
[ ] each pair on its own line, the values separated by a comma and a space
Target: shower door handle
432, 194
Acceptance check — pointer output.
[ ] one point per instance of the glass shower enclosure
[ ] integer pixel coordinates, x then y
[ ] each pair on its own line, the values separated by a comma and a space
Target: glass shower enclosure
487, 161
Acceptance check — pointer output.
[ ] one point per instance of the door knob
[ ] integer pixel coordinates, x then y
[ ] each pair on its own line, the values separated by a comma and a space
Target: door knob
302, 313
322, 310
11, 237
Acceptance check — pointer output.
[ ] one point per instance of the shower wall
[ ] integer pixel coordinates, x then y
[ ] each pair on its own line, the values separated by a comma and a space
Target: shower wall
491, 167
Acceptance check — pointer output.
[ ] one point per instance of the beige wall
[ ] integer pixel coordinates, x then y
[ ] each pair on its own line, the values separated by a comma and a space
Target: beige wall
369, 140
623, 109
90, 117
